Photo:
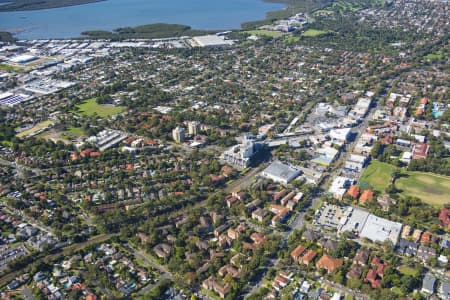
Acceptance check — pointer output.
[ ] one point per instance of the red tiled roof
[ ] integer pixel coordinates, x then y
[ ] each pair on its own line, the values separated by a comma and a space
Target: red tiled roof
297, 252
424, 100
372, 278
353, 191
426, 237
444, 216
308, 257
387, 140
420, 150
329, 263
367, 195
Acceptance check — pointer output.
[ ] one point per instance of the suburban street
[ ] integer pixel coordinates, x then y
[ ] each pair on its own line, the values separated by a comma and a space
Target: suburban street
165, 274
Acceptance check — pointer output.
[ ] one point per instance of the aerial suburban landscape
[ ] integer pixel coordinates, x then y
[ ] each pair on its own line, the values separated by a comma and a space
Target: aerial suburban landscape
301, 156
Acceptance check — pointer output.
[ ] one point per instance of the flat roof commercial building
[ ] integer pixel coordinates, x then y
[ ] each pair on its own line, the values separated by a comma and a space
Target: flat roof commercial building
378, 229
280, 172
359, 221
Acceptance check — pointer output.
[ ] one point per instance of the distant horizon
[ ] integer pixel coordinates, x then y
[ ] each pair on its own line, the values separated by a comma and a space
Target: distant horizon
71, 21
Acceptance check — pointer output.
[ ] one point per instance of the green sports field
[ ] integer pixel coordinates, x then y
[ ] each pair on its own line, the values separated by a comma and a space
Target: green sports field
378, 175
91, 107
313, 33
431, 188
267, 33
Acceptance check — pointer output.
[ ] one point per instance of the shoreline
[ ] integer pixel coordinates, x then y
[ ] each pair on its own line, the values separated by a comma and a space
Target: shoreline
167, 29
20, 5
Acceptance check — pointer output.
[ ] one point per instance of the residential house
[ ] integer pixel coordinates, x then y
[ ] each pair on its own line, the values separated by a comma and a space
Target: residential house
258, 240
429, 284
406, 231
234, 234
278, 196
444, 217
202, 245
227, 269
416, 235
259, 214
221, 229
354, 272
295, 254
237, 259
308, 257
212, 284
373, 279
420, 150
361, 257
310, 235
280, 282
328, 263
329, 245
426, 237
376, 273
240, 195
231, 200
407, 248
444, 290
425, 253
353, 191
162, 250
386, 201
366, 196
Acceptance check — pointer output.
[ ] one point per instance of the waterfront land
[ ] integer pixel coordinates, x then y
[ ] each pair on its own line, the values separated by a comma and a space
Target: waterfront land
6, 37
16, 5
151, 31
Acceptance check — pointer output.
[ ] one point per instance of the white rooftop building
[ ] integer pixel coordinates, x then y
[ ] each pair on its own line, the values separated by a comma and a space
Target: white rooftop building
280, 172
107, 138
339, 186
210, 41
241, 155
341, 134
355, 221
379, 229
22, 59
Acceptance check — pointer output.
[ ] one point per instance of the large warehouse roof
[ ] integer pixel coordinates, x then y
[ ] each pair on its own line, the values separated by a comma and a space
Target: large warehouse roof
210, 40
379, 229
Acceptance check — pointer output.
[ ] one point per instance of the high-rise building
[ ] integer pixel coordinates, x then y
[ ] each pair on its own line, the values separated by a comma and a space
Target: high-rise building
193, 128
178, 134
